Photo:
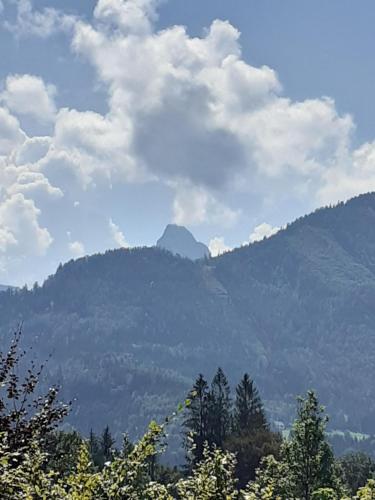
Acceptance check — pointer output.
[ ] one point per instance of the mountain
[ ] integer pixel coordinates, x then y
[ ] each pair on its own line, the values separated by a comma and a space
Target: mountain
179, 241
129, 330
4, 288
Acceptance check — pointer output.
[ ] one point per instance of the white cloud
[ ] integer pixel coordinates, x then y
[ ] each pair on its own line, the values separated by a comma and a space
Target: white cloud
351, 177
19, 222
195, 205
29, 95
42, 23
31, 150
193, 112
11, 134
187, 112
262, 231
132, 16
117, 235
76, 248
217, 246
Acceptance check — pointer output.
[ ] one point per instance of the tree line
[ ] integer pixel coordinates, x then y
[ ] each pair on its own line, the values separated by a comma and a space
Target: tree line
232, 453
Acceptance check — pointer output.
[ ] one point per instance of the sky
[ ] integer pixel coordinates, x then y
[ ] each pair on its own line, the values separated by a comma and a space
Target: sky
231, 118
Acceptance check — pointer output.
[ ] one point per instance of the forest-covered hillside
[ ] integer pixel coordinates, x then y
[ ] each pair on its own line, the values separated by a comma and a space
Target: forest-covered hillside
129, 330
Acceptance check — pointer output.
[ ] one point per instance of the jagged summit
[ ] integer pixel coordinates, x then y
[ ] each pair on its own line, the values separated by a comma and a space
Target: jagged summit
179, 241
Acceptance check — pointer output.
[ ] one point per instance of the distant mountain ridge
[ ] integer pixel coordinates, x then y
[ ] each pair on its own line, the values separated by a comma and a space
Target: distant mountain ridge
130, 329
180, 241
4, 288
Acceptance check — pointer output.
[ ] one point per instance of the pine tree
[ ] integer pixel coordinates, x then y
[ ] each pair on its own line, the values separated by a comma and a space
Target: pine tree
93, 448
106, 444
219, 418
196, 422
249, 414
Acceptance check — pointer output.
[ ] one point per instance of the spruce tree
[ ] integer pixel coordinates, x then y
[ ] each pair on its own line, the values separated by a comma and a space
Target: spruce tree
196, 421
219, 419
106, 444
249, 414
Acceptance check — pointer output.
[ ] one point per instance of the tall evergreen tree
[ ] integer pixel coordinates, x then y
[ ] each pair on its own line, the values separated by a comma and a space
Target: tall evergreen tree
219, 408
106, 444
196, 421
249, 414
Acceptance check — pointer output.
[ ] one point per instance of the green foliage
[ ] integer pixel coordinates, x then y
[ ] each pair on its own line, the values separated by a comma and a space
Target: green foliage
325, 494
249, 414
308, 455
212, 479
249, 449
196, 422
62, 450
219, 408
367, 492
297, 308
357, 468
306, 463
25, 415
242, 430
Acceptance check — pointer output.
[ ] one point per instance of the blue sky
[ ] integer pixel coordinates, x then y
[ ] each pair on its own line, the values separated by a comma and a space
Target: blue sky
232, 118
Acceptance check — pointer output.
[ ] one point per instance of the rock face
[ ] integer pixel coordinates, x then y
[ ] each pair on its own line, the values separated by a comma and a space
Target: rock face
179, 241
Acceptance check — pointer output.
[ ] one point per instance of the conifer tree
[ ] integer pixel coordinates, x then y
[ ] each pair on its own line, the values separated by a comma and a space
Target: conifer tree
93, 448
249, 414
106, 444
219, 408
196, 421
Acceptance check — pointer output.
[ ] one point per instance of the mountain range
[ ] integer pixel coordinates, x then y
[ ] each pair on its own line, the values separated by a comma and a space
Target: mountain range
129, 330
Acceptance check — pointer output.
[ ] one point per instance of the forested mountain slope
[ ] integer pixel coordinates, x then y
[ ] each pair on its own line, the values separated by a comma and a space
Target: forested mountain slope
130, 329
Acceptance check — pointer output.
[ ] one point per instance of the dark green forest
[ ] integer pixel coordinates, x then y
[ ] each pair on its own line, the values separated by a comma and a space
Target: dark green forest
128, 331
231, 451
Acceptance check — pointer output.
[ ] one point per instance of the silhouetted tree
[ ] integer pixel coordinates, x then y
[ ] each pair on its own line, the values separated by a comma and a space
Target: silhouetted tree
106, 444
248, 409
196, 427
219, 407
25, 416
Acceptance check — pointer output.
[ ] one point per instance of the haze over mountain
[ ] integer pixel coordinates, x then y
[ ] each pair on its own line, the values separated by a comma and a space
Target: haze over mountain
3, 288
128, 330
179, 241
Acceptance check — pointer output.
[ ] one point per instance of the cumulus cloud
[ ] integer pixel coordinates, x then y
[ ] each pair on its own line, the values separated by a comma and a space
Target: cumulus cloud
195, 205
193, 112
31, 150
217, 246
262, 231
19, 222
42, 23
130, 16
77, 249
185, 112
11, 134
29, 95
117, 235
